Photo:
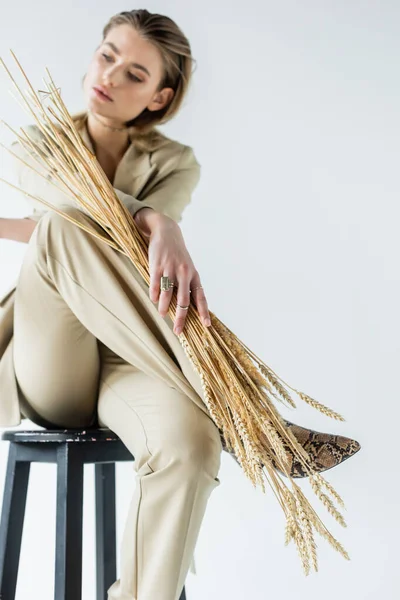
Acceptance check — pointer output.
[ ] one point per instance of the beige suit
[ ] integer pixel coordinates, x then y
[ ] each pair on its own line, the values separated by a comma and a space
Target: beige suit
81, 342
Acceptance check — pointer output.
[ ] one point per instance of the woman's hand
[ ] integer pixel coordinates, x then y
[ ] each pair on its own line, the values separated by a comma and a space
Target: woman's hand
168, 255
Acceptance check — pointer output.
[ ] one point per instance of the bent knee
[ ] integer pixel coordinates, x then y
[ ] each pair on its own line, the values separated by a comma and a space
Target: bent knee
191, 444
57, 220
54, 223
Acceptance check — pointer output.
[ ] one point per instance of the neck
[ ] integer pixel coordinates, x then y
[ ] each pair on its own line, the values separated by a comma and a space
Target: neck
105, 140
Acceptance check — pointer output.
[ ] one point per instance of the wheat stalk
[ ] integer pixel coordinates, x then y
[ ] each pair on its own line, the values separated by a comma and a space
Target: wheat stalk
239, 388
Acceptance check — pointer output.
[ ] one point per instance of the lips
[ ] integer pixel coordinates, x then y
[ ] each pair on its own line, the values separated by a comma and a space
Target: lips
103, 91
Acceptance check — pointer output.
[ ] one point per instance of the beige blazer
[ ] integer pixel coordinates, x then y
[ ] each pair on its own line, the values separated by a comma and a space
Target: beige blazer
163, 179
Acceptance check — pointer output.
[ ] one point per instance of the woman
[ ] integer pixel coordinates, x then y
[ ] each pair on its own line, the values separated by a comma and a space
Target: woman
81, 341
89, 345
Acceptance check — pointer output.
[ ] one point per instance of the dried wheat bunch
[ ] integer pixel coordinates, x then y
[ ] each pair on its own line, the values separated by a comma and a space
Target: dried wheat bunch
239, 388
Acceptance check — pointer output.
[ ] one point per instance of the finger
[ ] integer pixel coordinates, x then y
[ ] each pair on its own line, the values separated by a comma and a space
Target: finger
183, 299
165, 299
180, 317
200, 301
155, 283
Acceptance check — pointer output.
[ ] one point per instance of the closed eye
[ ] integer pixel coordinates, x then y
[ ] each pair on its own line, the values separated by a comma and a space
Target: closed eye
130, 75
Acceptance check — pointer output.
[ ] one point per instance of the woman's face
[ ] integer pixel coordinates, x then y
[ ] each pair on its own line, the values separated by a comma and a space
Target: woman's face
130, 69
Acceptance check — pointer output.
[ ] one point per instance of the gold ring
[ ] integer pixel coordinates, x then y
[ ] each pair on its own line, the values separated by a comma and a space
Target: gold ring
166, 283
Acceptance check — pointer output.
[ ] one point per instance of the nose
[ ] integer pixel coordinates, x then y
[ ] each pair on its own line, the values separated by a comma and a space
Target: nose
111, 77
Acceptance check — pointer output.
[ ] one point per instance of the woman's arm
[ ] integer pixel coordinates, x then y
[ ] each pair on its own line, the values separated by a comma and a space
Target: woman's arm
21, 230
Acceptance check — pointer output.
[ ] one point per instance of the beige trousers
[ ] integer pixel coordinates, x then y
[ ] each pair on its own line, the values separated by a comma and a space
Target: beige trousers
90, 344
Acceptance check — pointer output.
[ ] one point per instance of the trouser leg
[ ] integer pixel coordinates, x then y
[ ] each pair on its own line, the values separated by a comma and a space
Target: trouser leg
177, 452
105, 293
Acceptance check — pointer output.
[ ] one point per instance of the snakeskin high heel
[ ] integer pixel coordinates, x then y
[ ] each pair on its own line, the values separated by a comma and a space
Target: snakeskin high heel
327, 450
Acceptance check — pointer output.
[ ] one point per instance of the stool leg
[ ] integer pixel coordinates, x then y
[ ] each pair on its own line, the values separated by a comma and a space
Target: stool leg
68, 573
106, 569
12, 521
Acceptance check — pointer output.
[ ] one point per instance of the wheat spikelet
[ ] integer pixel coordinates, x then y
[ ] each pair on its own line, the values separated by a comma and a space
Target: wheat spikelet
265, 453
302, 550
320, 527
243, 462
307, 529
275, 441
237, 384
299, 527
238, 353
326, 501
324, 533
290, 501
240, 394
251, 451
291, 520
277, 385
321, 407
205, 386
289, 531
317, 480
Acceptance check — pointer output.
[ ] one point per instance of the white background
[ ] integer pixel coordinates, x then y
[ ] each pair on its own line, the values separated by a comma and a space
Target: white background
294, 227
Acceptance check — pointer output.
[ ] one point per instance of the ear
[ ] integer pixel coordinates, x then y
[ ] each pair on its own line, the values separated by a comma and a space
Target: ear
161, 99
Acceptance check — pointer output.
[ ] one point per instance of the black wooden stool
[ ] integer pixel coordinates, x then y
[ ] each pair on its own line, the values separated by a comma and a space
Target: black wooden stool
70, 450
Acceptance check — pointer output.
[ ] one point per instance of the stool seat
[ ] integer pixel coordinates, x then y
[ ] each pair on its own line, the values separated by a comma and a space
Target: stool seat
70, 450
61, 435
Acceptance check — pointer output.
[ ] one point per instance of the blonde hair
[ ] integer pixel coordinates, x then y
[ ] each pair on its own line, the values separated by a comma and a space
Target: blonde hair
175, 50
